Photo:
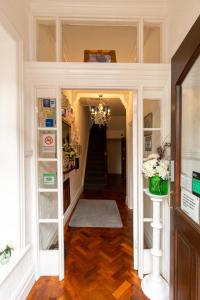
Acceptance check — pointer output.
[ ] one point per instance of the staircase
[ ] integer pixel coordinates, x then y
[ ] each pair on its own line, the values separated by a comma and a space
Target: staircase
96, 167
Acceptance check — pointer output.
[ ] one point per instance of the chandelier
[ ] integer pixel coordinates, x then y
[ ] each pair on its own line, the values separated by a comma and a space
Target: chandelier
100, 115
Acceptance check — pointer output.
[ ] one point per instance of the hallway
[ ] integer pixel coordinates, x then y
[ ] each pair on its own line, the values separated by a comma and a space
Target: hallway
99, 260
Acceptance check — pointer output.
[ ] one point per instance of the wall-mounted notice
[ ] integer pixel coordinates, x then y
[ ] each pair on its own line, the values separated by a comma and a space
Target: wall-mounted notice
196, 183
49, 178
48, 142
190, 205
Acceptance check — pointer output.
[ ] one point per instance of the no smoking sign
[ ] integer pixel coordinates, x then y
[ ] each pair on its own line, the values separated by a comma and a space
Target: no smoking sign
48, 142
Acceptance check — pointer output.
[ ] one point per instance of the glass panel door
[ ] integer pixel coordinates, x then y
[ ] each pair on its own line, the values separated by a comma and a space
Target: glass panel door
190, 144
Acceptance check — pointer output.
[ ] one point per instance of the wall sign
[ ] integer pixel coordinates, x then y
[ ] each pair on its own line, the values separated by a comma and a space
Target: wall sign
190, 205
196, 183
49, 178
48, 143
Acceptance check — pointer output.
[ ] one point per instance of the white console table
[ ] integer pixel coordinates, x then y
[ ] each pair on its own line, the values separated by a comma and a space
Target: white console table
153, 285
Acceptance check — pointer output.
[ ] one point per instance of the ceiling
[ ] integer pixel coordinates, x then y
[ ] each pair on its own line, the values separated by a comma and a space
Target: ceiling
115, 104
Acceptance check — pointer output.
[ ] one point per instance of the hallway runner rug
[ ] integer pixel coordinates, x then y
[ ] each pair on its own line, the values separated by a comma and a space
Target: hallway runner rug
96, 213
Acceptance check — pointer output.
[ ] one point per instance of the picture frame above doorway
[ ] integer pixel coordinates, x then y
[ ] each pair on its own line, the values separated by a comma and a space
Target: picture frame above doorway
100, 56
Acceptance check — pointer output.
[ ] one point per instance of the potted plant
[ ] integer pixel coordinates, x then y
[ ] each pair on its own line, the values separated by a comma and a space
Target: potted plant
5, 253
156, 169
69, 151
69, 156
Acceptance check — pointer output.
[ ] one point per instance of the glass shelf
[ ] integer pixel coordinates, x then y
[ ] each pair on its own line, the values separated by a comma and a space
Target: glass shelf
48, 190
48, 220
48, 128
47, 159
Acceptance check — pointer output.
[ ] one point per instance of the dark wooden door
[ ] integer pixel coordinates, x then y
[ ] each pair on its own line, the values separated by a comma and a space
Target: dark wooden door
66, 194
185, 130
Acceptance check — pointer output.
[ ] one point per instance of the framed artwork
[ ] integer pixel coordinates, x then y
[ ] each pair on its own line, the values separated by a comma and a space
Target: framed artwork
148, 143
101, 56
148, 123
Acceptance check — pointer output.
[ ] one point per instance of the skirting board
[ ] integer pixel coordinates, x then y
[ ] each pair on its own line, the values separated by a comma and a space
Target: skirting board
71, 207
25, 286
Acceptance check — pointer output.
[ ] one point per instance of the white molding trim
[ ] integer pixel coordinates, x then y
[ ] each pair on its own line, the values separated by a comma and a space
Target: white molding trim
28, 153
25, 286
21, 285
94, 10
103, 76
148, 78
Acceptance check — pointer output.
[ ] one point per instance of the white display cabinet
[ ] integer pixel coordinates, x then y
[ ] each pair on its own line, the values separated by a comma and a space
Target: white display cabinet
49, 189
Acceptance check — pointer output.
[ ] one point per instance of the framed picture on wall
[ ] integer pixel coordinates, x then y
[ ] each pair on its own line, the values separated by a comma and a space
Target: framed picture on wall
148, 143
148, 123
100, 56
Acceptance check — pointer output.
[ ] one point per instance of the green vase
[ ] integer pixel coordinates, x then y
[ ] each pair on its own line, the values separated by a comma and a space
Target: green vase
158, 186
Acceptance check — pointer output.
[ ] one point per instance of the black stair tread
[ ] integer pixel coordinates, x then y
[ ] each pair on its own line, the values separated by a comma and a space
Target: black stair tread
95, 165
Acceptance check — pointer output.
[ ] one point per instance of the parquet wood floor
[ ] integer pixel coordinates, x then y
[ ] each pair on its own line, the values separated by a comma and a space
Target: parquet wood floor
99, 261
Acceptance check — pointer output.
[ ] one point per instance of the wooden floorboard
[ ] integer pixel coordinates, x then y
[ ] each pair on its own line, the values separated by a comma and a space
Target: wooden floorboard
99, 261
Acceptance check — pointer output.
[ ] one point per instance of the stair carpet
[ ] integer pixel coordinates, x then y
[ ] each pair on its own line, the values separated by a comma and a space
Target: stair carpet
96, 171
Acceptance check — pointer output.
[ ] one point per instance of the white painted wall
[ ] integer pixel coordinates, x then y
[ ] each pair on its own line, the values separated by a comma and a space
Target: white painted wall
114, 156
117, 127
46, 41
115, 131
182, 15
77, 176
14, 18
152, 44
9, 151
122, 39
17, 13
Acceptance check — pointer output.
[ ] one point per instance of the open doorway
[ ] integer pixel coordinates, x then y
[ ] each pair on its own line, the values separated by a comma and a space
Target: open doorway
82, 177
102, 177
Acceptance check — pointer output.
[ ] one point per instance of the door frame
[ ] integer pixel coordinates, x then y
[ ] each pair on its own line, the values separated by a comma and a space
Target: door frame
52, 77
181, 63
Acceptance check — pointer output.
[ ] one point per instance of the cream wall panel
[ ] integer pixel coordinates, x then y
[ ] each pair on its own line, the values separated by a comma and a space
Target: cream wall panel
114, 156
182, 15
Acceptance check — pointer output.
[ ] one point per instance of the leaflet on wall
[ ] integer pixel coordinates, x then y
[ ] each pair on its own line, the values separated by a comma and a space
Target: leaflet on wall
47, 112
196, 183
49, 179
49, 142
190, 205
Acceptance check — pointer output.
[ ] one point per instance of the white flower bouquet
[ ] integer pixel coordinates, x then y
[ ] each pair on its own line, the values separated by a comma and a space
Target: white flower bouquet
156, 169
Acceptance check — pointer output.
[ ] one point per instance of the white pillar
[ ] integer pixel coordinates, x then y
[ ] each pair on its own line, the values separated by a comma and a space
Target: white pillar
153, 285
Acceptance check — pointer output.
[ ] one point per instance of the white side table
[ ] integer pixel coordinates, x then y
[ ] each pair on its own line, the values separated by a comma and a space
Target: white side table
153, 285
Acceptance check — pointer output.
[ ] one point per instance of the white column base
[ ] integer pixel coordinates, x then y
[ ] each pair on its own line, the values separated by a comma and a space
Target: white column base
155, 289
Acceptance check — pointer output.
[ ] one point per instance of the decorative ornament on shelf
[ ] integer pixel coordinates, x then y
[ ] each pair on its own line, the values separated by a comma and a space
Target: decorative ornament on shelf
101, 114
5, 253
156, 169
